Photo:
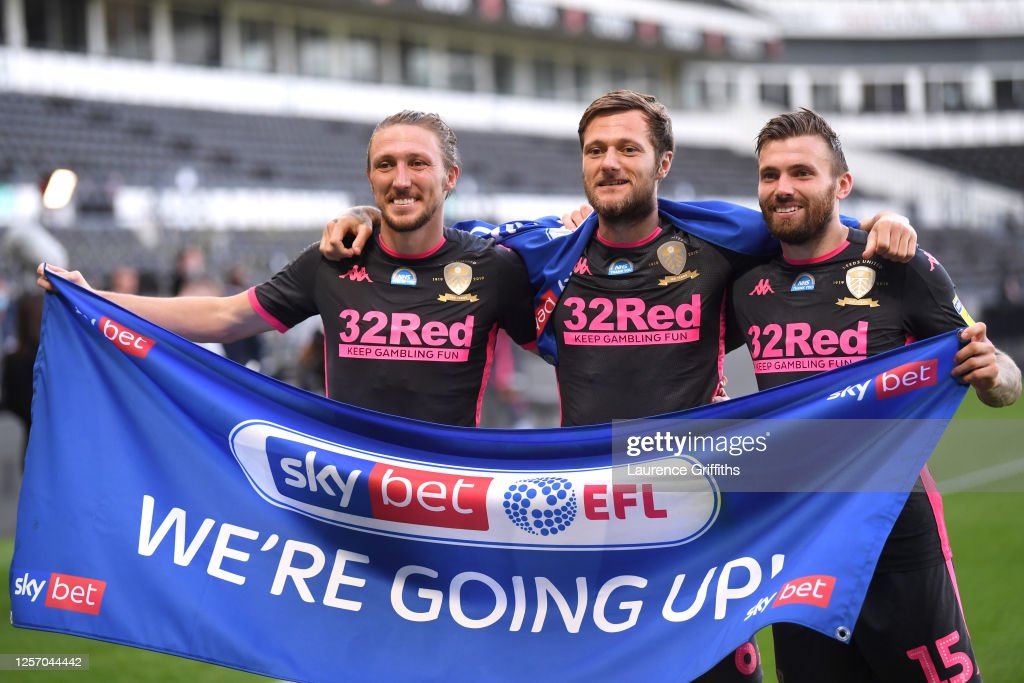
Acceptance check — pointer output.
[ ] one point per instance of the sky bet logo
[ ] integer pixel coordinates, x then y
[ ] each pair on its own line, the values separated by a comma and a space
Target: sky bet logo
583, 509
61, 591
895, 381
130, 342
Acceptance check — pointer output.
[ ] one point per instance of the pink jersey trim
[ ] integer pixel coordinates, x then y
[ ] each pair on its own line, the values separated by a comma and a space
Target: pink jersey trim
625, 245
910, 339
396, 254
721, 353
262, 312
935, 498
558, 390
327, 385
492, 338
817, 259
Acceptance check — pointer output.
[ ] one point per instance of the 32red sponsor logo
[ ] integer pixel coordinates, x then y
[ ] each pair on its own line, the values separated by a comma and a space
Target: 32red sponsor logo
808, 590
75, 593
621, 314
907, 377
377, 327
129, 341
412, 496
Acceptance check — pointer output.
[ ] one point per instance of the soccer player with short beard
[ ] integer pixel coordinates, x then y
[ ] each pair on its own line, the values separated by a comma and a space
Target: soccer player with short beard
820, 304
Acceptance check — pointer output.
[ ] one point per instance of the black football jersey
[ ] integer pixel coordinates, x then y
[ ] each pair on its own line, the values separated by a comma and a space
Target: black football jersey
804, 317
410, 335
640, 327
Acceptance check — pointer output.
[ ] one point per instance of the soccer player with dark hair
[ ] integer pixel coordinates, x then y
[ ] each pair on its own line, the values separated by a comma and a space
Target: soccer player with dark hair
819, 304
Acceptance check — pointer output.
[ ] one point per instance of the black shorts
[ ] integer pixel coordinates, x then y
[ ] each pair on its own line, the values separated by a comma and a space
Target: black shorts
742, 666
911, 629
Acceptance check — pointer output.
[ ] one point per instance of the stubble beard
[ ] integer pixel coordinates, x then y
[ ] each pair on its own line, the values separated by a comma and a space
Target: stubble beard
408, 223
819, 211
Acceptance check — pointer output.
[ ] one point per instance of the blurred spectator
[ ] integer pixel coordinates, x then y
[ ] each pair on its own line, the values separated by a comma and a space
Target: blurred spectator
1005, 315
190, 265
6, 322
201, 285
18, 364
125, 279
310, 370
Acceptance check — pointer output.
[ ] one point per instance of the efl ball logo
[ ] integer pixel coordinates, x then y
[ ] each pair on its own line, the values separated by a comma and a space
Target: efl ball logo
544, 506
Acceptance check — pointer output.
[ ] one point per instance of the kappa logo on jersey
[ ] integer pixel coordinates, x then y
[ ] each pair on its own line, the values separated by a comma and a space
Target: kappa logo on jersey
581, 267
129, 341
586, 509
763, 287
356, 274
621, 266
61, 591
859, 280
405, 277
804, 282
932, 261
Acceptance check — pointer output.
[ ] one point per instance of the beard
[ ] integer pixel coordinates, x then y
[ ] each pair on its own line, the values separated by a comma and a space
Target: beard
407, 222
818, 213
638, 204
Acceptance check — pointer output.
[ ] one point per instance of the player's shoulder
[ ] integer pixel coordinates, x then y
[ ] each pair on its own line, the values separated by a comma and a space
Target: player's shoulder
754, 272
926, 266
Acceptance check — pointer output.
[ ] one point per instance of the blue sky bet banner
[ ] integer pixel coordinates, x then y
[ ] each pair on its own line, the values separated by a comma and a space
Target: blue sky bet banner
175, 501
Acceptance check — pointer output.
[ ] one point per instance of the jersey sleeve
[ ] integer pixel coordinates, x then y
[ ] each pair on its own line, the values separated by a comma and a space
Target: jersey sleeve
286, 299
515, 313
931, 305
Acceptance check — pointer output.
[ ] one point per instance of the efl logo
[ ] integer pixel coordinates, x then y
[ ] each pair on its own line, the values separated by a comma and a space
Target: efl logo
907, 377
130, 342
813, 590
75, 593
